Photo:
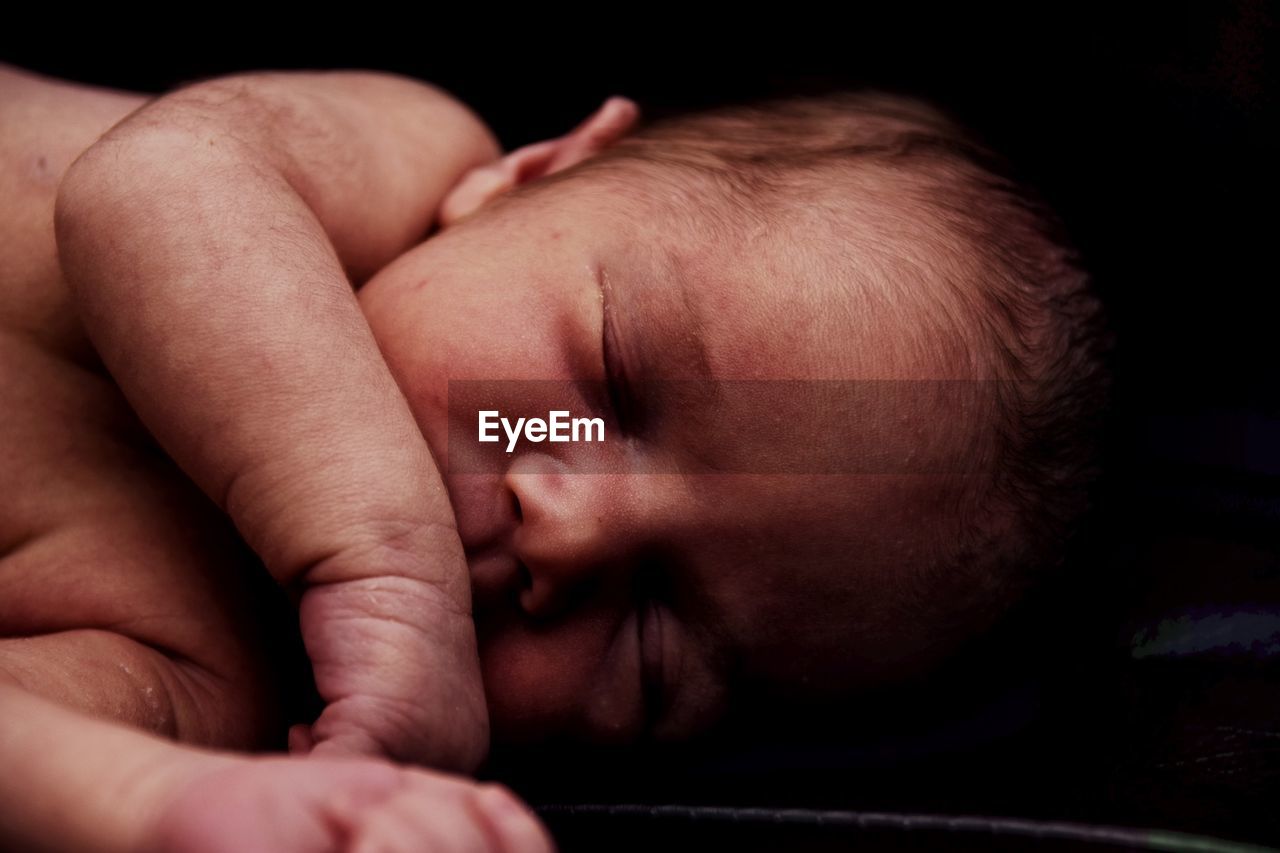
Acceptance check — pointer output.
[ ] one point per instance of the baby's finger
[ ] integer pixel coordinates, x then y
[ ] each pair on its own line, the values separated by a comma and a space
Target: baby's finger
347, 745
420, 820
300, 740
510, 822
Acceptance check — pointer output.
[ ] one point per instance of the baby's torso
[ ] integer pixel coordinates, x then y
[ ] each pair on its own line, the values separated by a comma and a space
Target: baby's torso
98, 529
54, 398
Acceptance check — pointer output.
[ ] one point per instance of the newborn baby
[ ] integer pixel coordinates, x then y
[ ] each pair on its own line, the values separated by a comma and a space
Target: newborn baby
846, 371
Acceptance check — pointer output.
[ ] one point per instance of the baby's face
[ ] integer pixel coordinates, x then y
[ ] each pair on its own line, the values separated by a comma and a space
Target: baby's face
631, 588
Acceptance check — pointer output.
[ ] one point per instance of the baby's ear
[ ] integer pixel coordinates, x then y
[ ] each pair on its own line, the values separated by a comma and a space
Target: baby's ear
476, 188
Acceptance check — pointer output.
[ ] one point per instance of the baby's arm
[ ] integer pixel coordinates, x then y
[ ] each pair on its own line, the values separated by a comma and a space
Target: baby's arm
83, 784
211, 240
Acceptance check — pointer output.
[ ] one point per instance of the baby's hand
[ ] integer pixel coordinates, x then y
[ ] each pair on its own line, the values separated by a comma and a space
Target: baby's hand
315, 805
211, 240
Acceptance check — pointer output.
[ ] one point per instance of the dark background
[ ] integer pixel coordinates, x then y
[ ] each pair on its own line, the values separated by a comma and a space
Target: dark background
1152, 130
1149, 126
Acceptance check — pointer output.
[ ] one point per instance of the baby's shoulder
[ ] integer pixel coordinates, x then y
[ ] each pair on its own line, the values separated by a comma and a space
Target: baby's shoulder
44, 125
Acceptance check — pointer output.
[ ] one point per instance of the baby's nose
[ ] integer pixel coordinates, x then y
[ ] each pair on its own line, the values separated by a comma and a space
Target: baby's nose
575, 531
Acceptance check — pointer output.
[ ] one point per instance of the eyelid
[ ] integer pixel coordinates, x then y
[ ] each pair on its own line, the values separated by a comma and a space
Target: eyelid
616, 381
653, 686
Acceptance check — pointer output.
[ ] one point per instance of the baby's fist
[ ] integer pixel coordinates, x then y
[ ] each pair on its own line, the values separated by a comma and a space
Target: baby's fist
394, 657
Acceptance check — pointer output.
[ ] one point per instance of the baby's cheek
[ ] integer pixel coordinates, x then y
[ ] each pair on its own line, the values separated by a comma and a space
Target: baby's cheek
548, 680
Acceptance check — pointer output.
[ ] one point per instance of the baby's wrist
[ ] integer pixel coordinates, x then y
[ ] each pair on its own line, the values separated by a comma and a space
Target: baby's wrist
75, 782
150, 783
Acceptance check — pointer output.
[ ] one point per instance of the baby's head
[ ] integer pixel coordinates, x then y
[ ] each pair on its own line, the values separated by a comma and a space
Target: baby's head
913, 452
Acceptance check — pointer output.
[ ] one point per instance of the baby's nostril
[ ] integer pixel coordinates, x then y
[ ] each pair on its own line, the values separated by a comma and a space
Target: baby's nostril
515, 507
526, 577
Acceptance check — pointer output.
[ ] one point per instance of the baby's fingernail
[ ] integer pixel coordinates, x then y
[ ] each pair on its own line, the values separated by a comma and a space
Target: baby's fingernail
504, 807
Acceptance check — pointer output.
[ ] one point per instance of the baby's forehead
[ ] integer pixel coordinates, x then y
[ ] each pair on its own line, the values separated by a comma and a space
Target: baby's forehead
853, 281
768, 304
823, 354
